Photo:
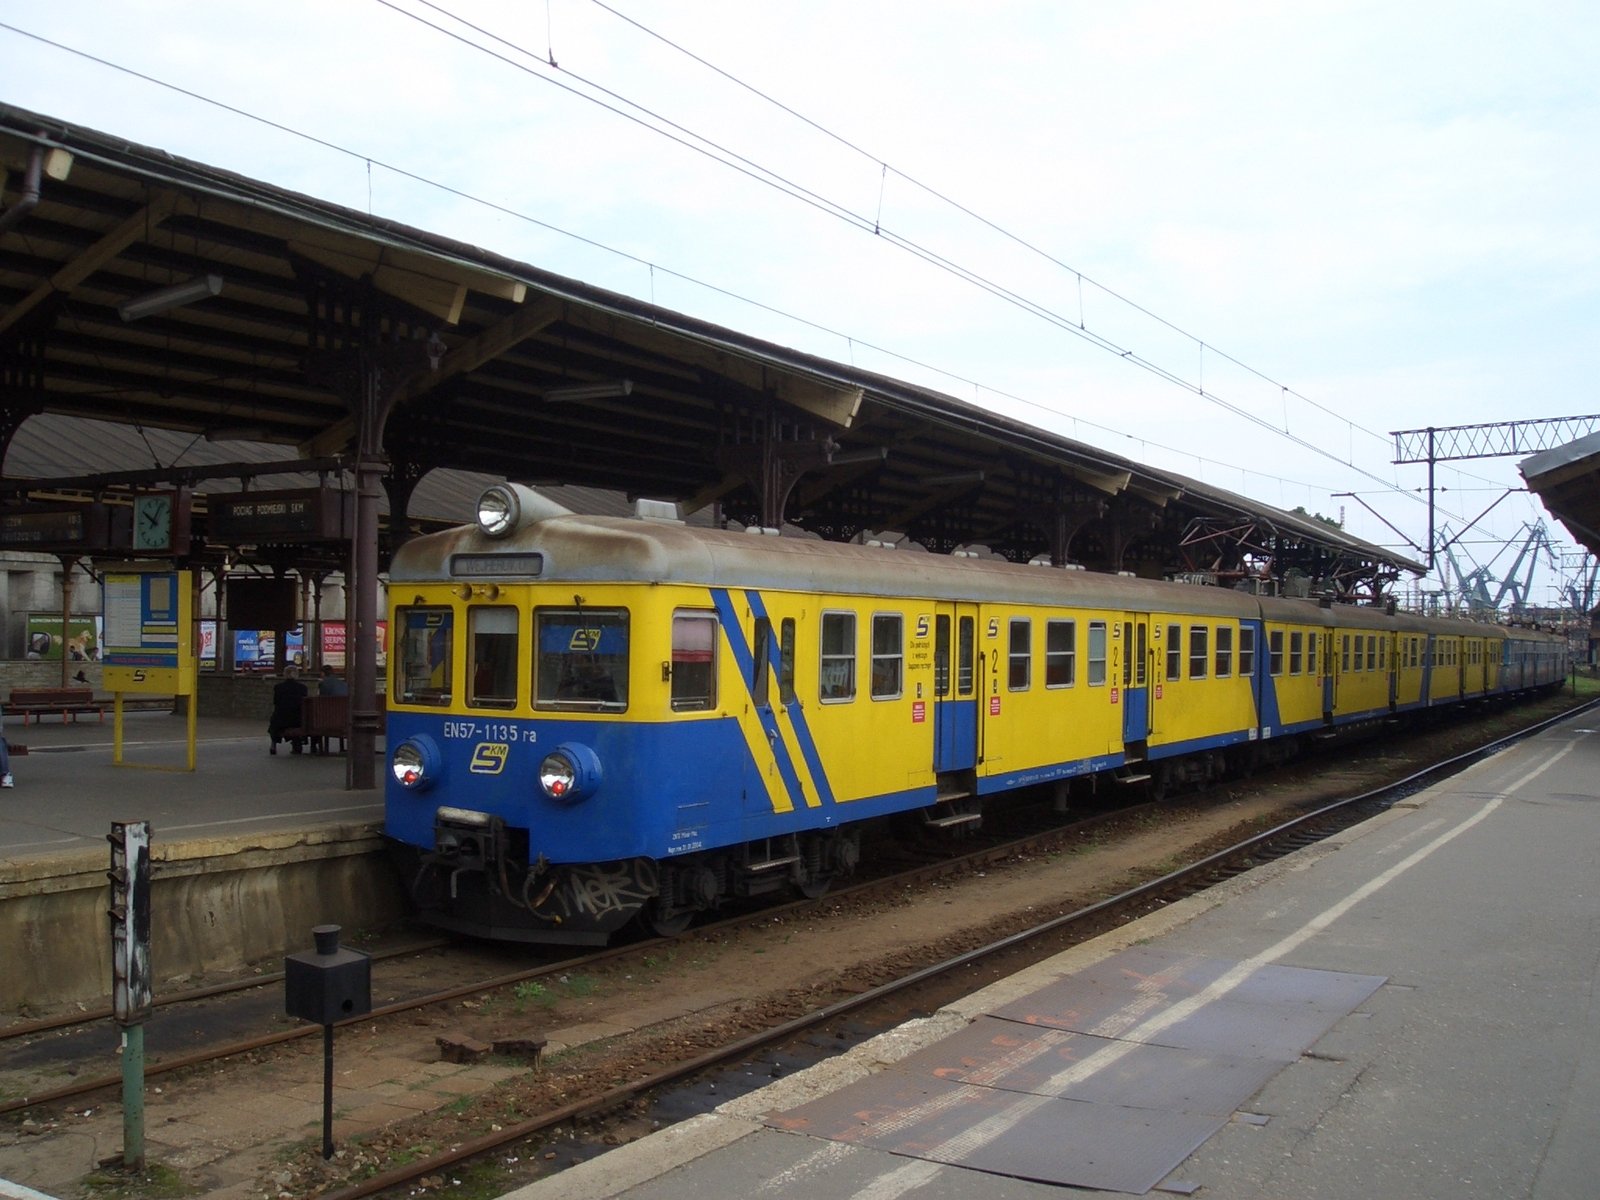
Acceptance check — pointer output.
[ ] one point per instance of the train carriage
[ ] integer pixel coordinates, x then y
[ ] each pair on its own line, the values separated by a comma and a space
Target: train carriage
594, 720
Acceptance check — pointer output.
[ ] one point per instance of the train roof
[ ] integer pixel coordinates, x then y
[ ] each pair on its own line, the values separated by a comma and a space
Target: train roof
594, 549
586, 549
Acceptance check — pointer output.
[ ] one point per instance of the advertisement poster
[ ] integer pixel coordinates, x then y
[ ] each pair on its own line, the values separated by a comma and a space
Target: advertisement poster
79, 641
257, 649
333, 644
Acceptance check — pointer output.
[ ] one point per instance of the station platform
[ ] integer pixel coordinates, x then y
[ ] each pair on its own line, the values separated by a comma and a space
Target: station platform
1408, 1009
248, 850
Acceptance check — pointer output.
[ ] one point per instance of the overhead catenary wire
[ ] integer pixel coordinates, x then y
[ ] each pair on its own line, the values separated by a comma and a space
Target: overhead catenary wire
528, 218
744, 165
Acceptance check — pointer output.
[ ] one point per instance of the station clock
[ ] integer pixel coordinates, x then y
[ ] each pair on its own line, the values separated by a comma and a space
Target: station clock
152, 521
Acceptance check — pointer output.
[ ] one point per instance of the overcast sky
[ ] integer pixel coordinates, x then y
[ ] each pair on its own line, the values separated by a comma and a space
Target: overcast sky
1339, 219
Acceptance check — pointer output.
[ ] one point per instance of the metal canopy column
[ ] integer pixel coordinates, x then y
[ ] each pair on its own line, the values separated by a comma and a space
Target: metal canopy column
367, 347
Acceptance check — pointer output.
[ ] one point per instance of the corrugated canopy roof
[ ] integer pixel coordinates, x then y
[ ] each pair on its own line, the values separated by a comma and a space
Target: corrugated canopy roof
483, 351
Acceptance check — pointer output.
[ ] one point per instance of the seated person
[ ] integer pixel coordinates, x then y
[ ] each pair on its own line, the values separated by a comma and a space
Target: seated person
286, 698
332, 684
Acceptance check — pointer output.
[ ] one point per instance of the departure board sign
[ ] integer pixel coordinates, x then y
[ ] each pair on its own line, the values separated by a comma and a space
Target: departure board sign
149, 631
50, 527
295, 515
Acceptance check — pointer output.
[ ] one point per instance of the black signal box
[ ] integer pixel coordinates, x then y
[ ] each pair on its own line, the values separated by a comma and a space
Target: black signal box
328, 985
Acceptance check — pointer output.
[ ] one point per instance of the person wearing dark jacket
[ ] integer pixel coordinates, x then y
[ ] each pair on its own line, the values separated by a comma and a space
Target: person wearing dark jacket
286, 698
332, 684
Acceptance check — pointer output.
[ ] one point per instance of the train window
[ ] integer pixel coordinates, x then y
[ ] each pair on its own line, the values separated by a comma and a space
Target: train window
1224, 651
1383, 654
425, 644
694, 661
1174, 652
1275, 651
582, 658
1247, 651
837, 680
492, 635
1297, 648
1344, 654
966, 641
1312, 639
761, 663
1199, 651
1097, 653
1372, 652
1141, 653
1019, 657
1060, 654
786, 693
888, 655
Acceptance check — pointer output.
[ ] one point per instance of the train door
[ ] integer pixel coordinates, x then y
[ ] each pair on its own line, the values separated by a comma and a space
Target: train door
955, 687
1327, 676
1135, 679
1391, 662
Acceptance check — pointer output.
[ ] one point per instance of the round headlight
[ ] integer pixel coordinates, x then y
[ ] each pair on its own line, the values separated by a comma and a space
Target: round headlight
557, 775
414, 763
498, 510
570, 772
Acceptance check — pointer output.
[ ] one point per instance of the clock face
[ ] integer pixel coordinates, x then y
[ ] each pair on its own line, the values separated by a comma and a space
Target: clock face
152, 522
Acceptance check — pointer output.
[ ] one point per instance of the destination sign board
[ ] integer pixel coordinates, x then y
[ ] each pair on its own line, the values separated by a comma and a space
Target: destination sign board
294, 515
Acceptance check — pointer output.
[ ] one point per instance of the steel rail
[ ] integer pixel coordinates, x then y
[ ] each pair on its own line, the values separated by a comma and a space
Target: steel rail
1138, 895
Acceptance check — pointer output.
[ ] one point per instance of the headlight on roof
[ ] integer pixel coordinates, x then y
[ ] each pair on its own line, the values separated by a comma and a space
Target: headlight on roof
499, 510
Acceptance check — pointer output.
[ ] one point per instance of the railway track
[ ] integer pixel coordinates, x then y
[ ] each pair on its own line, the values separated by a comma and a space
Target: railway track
1038, 941
1048, 936
161, 1065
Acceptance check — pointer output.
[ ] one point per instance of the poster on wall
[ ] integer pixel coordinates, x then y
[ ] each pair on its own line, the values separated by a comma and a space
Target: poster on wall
257, 649
78, 641
334, 646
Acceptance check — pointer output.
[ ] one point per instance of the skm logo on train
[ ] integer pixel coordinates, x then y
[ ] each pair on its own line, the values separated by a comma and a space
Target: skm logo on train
489, 758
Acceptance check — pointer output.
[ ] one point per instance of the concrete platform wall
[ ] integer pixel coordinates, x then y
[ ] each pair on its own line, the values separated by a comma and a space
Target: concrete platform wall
217, 906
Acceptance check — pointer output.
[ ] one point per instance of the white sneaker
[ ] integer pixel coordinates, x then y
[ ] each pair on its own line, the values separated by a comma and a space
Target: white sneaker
5, 780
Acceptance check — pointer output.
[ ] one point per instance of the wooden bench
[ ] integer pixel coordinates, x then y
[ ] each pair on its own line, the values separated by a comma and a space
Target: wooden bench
323, 718
69, 702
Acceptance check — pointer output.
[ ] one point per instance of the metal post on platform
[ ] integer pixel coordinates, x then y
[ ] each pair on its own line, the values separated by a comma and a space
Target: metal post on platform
130, 971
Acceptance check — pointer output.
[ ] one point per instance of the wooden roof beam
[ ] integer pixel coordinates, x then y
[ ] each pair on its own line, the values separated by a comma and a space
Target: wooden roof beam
162, 204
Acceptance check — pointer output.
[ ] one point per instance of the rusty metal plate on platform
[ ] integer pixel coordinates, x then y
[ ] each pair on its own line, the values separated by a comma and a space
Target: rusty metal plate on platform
1076, 1066
1205, 1004
1006, 1133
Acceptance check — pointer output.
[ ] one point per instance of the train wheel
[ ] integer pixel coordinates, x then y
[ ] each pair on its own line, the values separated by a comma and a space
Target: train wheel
1160, 781
650, 918
814, 889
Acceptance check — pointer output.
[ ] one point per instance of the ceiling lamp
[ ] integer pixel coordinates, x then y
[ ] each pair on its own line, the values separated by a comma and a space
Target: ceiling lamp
591, 391
201, 287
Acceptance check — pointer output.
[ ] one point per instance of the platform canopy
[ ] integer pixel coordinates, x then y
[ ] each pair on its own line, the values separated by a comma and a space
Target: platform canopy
1567, 480
144, 290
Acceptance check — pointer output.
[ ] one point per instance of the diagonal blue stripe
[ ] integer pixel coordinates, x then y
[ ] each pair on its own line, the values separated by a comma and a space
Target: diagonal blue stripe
796, 713
744, 657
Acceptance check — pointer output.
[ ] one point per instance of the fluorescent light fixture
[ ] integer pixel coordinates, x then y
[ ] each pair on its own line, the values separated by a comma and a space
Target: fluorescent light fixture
845, 458
201, 287
954, 479
591, 391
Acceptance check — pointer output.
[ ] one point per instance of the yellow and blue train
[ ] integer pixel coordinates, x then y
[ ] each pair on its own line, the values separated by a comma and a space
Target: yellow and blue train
594, 720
